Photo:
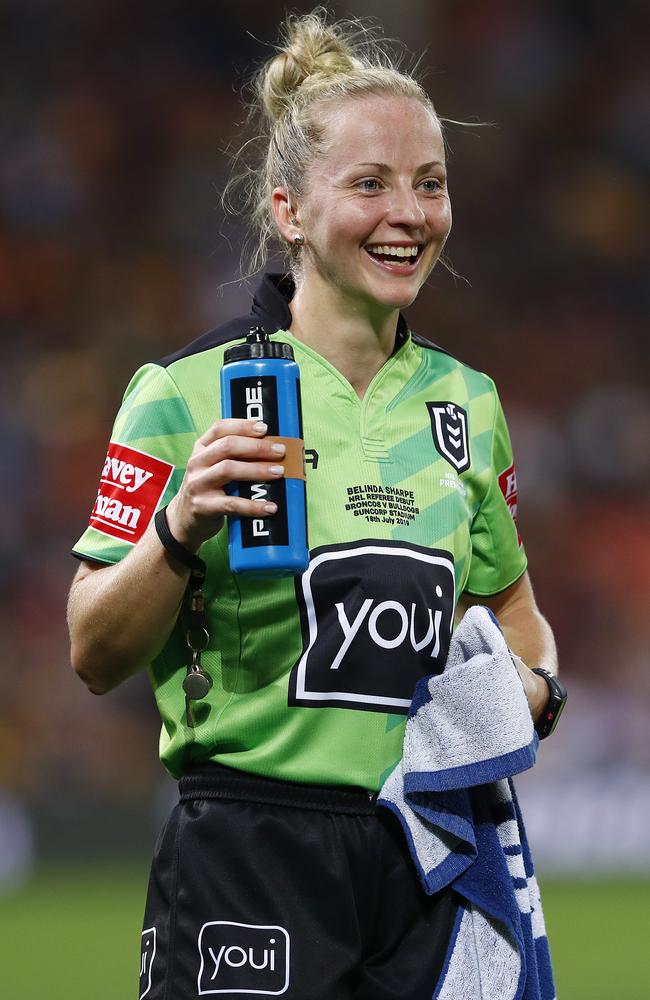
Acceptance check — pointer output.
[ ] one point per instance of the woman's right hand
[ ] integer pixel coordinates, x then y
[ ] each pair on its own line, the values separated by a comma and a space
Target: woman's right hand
230, 450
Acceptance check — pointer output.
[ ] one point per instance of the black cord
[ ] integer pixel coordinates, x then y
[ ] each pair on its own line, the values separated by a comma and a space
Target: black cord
196, 683
193, 562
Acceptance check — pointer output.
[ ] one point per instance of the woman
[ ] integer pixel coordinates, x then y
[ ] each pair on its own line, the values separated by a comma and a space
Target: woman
277, 873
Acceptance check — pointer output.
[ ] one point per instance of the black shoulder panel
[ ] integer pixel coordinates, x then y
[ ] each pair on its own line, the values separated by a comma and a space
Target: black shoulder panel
423, 342
270, 309
234, 329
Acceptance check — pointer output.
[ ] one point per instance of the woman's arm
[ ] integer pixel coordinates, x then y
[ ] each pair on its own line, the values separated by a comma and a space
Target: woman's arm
527, 633
120, 616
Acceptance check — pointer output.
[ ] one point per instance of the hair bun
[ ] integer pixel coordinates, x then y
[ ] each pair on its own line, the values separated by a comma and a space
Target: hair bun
310, 47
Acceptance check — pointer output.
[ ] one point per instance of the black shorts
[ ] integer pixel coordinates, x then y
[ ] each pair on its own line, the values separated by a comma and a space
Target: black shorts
263, 888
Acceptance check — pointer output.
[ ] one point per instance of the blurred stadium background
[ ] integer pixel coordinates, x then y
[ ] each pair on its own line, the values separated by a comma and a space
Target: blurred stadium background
114, 121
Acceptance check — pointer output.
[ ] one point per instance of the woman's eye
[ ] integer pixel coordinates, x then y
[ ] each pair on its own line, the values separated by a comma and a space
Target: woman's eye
369, 184
431, 185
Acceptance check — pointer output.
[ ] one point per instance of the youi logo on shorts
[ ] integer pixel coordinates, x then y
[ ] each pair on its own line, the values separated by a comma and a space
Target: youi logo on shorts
243, 958
376, 616
147, 956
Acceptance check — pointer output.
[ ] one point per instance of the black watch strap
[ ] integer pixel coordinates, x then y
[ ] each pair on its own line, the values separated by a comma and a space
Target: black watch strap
557, 696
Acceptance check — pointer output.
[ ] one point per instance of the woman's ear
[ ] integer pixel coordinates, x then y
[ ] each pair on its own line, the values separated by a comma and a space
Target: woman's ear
284, 214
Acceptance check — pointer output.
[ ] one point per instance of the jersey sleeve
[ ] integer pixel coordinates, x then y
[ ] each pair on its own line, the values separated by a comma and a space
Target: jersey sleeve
152, 439
498, 557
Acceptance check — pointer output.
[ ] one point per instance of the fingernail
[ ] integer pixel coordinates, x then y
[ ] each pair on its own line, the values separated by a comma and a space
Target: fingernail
277, 470
279, 449
260, 427
270, 508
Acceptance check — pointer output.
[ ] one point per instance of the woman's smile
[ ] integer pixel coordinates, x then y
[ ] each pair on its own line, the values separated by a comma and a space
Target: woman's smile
396, 258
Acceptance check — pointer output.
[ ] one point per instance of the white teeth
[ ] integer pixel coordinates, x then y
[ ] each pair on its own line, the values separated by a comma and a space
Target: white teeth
389, 251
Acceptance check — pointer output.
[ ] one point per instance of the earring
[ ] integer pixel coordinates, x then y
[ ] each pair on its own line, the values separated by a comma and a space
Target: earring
299, 240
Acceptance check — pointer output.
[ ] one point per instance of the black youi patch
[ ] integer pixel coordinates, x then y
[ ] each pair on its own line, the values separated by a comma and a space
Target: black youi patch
376, 617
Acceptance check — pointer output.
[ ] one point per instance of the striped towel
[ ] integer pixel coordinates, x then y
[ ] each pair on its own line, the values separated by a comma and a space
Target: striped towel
468, 731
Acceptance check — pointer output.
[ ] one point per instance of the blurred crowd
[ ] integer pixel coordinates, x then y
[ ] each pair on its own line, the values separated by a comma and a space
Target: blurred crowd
117, 123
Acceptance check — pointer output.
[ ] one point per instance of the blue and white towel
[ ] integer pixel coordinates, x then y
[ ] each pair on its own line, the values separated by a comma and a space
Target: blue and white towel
469, 730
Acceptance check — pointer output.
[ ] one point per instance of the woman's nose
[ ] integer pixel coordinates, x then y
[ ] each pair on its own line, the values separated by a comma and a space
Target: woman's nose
405, 209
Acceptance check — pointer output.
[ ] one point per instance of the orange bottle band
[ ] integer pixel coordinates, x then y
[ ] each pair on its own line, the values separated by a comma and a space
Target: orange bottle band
294, 458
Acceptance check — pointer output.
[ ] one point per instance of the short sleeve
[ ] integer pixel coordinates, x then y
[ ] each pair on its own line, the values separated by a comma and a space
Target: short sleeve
152, 439
498, 556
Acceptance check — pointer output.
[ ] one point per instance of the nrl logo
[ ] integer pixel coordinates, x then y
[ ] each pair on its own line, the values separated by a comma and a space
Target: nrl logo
449, 427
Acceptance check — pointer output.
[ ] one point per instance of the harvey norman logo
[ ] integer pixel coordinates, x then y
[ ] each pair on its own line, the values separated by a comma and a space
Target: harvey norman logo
508, 486
130, 488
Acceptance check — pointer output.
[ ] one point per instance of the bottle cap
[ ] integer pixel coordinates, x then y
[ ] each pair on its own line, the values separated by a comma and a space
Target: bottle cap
258, 345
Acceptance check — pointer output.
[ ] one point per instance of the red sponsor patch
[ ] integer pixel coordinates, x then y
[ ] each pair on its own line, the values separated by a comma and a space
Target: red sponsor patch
130, 488
508, 485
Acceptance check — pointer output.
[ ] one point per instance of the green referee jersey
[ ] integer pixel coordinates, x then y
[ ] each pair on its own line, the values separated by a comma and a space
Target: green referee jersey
411, 497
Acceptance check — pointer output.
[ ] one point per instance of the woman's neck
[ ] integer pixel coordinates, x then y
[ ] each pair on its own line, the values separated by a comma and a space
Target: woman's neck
342, 331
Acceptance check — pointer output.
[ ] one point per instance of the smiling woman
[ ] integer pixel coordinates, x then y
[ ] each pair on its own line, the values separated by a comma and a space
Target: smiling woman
364, 235
279, 871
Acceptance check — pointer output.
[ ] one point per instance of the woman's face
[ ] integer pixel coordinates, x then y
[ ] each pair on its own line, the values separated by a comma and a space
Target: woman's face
375, 211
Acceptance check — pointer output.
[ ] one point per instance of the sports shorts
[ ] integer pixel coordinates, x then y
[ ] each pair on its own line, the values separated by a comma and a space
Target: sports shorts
263, 888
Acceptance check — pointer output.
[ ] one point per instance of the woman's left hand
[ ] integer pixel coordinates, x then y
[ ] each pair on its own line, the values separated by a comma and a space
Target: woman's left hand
535, 687
526, 631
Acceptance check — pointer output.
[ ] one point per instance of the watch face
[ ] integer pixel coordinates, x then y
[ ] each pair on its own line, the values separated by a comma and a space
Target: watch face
552, 714
555, 705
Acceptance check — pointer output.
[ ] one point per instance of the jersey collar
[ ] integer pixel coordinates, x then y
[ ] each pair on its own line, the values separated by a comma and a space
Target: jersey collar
271, 306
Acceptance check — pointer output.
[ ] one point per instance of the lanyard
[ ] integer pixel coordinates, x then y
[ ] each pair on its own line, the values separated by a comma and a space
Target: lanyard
196, 682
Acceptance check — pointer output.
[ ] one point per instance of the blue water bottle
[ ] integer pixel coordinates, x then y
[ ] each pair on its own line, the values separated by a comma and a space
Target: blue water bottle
261, 381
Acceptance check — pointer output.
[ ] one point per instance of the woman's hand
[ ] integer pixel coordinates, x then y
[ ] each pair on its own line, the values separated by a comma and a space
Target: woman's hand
535, 687
229, 451
528, 635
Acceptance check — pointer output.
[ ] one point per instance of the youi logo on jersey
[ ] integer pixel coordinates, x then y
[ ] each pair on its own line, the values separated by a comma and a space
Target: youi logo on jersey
130, 488
376, 616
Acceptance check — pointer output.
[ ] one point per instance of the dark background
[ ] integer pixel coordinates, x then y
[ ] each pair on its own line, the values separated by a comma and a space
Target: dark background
115, 119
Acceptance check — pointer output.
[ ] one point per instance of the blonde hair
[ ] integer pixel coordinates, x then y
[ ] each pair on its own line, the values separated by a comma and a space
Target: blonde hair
317, 61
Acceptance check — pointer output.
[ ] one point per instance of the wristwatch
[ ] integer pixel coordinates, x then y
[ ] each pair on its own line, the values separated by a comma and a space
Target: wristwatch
556, 701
